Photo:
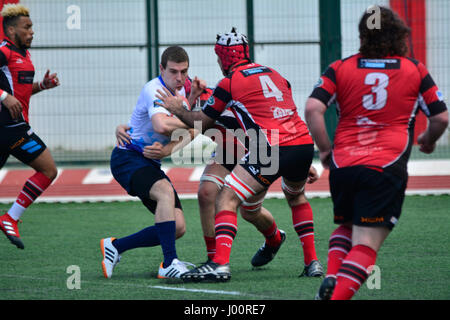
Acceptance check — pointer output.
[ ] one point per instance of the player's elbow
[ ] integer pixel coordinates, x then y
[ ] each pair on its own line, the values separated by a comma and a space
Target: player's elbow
440, 121
313, 109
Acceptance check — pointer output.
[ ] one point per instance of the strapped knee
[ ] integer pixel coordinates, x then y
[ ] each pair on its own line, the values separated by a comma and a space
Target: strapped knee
219, 181
252, 206
242, 190
290, 190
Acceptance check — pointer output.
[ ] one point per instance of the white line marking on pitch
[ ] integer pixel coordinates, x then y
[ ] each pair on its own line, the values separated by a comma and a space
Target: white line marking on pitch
183, 289
232, 293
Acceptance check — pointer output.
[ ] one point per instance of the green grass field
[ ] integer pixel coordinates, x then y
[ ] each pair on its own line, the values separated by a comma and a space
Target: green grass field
414, 261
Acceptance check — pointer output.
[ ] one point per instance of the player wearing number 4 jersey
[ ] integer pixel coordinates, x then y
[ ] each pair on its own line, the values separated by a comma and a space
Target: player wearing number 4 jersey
378, 92
280, 146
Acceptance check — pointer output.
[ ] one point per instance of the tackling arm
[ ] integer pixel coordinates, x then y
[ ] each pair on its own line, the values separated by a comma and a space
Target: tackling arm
164, 124
174, 104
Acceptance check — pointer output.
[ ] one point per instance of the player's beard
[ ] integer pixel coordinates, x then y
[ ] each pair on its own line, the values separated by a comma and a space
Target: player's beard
20, 44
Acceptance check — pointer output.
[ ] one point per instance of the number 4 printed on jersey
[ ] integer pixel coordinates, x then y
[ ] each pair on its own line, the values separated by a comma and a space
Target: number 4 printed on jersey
269, 88
379, 82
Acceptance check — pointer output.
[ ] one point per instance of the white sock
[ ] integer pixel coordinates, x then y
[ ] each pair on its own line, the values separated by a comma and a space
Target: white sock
16, 211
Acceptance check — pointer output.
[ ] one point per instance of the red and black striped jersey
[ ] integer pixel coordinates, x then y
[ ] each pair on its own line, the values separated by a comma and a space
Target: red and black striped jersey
16, 78
261, 99
377, 101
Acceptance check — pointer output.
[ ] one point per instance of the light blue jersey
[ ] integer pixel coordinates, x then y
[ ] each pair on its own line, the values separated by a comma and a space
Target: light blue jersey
142, 132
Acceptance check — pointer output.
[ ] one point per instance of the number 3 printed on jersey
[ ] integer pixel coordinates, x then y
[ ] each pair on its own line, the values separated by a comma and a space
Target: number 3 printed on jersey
377, 100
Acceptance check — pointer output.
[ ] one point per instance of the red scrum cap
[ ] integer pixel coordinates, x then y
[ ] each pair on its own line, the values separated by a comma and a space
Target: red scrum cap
231, 48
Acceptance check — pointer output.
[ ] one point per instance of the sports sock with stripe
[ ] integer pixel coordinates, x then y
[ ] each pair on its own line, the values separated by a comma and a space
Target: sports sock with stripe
302, 218
272, 235
339, 245
32, 189
226, 229
353, 272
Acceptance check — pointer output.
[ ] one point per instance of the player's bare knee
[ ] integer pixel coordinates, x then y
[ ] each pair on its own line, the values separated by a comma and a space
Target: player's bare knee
162, 191
296, 200
206, 192
249, 215
50, 173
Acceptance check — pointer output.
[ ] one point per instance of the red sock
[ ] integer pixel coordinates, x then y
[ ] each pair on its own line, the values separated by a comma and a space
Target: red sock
302, 218
353, 272
32, 189
226, 229
273, 236
339, 246
210, 246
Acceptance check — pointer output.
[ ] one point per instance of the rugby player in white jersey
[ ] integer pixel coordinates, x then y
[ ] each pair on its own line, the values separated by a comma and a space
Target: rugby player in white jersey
151, 127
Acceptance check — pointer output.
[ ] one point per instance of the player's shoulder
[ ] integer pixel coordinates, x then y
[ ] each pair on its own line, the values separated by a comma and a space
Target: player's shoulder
153, 85
4, 48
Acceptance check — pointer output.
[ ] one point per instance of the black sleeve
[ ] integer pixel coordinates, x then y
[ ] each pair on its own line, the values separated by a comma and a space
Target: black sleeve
3, 60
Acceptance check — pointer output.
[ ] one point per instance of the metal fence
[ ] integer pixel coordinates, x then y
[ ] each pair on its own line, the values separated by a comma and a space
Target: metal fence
104, 51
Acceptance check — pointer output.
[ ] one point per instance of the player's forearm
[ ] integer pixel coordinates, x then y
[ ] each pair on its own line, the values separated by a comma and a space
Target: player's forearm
36, 88
167, 125
436, 127
193, 118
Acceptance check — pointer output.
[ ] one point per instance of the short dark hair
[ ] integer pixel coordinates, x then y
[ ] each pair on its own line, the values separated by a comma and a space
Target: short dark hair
176, 54
390, 39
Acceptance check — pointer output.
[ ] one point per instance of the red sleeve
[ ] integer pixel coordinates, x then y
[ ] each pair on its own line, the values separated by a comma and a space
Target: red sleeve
326, 87
217, 103
431, 99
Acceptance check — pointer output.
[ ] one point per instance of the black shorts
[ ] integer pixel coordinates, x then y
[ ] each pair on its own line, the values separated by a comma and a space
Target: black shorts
289, 162
137, 174
21, 142
367, 196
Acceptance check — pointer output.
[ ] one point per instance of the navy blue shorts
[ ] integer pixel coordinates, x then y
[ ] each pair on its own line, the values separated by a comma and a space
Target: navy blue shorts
137, 174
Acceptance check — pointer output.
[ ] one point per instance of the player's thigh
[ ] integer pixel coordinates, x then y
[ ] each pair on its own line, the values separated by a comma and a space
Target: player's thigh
342, 188
45, 164
379, 197
372, 237
162, 190
3, 158
295, 162
27, 147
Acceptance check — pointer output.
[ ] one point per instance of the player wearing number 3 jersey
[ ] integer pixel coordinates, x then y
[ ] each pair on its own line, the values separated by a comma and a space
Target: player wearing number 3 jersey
378, 93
